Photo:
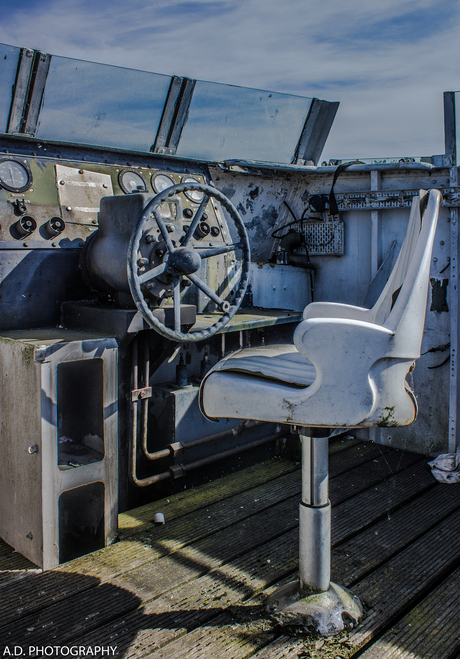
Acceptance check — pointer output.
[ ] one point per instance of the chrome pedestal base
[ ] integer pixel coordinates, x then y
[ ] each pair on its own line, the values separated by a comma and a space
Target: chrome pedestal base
323, 613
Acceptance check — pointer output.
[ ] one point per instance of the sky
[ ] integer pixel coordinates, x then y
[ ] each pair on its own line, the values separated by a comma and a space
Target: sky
388, 62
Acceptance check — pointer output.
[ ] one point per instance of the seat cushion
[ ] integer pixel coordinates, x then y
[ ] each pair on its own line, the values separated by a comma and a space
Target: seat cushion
282, 363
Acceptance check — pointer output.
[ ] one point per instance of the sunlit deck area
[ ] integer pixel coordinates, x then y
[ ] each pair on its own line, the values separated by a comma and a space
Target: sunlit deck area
196, 586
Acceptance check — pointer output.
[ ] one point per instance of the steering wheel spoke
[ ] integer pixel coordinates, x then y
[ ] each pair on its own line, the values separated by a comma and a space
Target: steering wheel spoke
215, 251
164, 230
196, 220
176, 301
151, 274
199, 283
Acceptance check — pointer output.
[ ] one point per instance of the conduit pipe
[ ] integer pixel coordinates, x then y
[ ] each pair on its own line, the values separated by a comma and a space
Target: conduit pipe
175, 471
179, 470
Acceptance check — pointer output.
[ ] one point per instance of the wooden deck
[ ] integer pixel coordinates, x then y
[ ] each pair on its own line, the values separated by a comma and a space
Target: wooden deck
196, 586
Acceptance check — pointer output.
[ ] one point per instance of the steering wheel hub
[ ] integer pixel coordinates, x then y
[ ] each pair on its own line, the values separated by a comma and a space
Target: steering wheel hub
184, 261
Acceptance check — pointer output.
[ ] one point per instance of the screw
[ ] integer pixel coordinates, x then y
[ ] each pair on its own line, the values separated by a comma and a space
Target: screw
150, 238
69, 208
61, 182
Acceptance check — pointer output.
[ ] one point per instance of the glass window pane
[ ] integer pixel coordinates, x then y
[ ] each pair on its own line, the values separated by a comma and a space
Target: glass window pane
9, 58
228, 122
102, 105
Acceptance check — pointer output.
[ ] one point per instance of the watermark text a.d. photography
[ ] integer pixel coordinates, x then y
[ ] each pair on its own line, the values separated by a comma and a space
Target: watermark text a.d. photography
76, 651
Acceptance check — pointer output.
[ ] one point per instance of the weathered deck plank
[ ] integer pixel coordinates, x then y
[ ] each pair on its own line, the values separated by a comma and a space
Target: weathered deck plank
130, 555
430, 630
383, 540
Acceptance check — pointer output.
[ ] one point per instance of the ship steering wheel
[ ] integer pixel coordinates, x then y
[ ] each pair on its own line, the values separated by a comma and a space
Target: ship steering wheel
180, 263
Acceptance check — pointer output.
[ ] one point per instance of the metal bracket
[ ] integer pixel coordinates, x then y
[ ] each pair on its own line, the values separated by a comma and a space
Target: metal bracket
28, 91
169, 151
141, 394
315, 131
176, 471
176, 448
175, 115
385, 199
35, 93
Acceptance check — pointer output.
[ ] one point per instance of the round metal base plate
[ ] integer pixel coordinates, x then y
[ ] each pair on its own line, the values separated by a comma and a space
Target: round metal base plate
324, 613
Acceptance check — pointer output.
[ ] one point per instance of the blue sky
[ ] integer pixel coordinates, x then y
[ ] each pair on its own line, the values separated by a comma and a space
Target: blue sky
387, 61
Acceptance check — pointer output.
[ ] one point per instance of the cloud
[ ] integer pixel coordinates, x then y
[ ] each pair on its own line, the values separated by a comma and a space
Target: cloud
387, 61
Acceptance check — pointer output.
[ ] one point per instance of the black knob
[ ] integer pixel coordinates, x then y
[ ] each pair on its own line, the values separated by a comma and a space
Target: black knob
55, 226
26, 225
202, 230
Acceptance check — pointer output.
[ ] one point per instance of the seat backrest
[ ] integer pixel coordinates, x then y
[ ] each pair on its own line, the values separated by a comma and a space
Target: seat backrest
401, 306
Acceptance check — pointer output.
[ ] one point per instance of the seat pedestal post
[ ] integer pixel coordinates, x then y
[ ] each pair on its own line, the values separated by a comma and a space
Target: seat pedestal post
313, 603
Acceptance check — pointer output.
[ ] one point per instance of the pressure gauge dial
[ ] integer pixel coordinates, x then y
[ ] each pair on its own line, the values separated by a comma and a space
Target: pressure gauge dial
15, 175
193, 195
131, 180
161, 181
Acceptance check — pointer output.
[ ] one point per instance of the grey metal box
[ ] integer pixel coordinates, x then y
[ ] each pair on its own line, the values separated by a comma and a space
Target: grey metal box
57, 383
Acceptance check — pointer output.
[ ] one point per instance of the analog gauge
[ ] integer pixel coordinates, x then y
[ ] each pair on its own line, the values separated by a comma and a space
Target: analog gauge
193, 195
131, 180
160, 182
15, 175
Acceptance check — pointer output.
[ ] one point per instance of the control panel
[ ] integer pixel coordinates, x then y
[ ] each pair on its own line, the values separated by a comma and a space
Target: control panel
44, 204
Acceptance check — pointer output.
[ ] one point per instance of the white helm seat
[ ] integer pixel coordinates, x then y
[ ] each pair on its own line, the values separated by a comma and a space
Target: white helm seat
348, 364
347, 368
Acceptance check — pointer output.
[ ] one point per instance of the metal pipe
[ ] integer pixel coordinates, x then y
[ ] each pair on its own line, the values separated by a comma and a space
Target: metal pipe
315, 482
145, 401
140, 482
233, 451
237, 430
169, 450
167, 475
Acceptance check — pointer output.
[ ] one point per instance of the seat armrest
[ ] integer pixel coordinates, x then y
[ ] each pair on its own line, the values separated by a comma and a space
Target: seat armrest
337, 310
344, 353
331, 341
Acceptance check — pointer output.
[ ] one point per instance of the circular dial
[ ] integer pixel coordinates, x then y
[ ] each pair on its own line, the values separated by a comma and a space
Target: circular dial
160, 182
193, 195
132, 181
15, 176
